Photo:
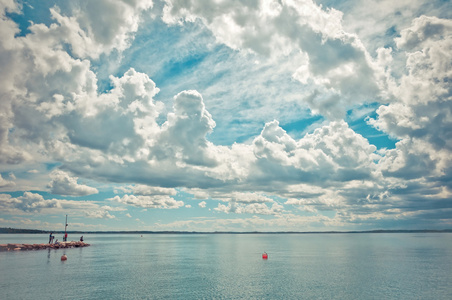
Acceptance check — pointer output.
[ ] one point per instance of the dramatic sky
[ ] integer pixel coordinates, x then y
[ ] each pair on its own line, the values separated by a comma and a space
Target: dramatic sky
215, 115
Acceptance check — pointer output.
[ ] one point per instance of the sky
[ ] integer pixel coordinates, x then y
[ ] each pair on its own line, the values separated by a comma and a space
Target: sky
226, 115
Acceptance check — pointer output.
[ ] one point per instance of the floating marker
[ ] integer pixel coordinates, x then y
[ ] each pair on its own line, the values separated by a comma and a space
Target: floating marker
64, 257
265, 255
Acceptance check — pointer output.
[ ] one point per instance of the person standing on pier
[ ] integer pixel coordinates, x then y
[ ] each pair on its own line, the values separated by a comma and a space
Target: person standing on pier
50, 238
65, 237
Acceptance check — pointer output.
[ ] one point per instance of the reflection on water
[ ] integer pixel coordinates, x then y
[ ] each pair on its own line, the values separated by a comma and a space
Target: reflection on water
230, 266
48, 256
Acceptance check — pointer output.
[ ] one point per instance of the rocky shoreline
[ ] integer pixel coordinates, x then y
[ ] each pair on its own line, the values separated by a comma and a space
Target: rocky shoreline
60, 245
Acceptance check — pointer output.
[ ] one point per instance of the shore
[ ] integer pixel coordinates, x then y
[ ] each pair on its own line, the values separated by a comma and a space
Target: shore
60, 245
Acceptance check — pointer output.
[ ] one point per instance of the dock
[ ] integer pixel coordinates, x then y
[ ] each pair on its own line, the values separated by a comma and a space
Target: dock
59, 245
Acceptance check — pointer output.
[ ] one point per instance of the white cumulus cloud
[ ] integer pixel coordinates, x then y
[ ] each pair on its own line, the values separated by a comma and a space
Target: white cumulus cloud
159, 201
63, 184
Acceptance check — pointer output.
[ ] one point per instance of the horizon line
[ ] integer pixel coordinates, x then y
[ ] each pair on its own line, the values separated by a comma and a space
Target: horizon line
37, 231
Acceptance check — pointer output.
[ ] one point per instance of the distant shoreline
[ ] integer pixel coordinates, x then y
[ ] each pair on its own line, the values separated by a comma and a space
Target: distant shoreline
35, 231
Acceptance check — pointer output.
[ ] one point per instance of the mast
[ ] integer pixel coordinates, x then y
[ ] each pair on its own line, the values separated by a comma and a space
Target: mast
65, 226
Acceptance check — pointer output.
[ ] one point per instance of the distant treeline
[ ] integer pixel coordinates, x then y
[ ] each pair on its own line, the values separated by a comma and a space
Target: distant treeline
16, 230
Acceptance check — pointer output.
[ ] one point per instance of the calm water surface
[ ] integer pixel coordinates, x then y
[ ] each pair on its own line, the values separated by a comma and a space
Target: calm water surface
230, 266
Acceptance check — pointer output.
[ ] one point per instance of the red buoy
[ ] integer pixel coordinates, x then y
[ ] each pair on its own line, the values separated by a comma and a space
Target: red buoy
64, 257
265, 255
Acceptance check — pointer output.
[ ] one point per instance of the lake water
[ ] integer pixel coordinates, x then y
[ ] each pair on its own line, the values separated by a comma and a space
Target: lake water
230, 266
